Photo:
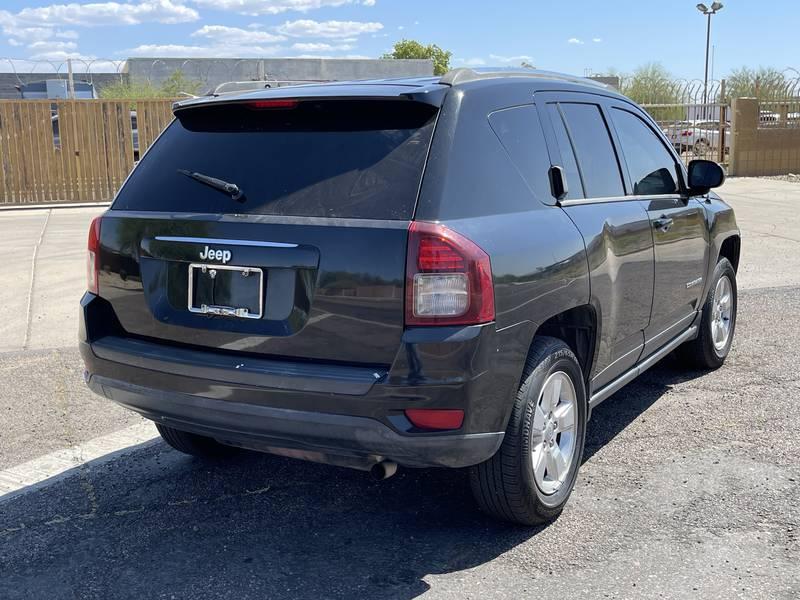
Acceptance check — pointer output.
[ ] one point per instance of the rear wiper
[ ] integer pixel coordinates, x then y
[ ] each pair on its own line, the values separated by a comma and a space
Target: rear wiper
233, 190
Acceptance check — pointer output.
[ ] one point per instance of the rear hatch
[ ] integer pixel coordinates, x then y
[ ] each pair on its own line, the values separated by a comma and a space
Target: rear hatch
303, 258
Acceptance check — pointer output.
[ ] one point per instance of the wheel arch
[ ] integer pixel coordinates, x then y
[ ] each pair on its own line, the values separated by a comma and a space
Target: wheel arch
730, 249
577, 327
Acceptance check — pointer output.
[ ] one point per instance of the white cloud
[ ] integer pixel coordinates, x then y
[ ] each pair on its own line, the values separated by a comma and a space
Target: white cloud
469, 62
19, 35
327, 29
575, 41
597, 40
234, 42
274, 7
53, 50
328, 56
170, 50
53, 45
312, 47
105, 13
29, 34
511, 59
223, 34
211, 51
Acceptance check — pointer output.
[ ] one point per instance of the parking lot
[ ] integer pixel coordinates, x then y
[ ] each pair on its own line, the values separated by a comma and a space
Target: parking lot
689, 487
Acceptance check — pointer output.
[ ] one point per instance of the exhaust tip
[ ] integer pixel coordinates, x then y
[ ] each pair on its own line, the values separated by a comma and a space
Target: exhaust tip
383, 470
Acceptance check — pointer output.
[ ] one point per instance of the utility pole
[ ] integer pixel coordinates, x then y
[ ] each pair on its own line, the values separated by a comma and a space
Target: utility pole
709, 12
70, 81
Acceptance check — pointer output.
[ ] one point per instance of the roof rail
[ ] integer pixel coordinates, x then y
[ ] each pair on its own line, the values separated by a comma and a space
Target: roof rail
464, 75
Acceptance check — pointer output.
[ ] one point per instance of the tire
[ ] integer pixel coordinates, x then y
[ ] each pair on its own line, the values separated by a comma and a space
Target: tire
706, 352
505, 486
193, 444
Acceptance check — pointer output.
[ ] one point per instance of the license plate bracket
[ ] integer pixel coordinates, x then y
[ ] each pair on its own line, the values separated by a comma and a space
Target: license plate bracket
226, 291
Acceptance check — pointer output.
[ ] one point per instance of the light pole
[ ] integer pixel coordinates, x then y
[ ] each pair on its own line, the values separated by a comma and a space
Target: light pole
715, 8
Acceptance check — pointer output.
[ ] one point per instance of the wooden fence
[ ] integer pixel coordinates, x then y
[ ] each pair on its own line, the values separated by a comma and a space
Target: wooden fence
73, 150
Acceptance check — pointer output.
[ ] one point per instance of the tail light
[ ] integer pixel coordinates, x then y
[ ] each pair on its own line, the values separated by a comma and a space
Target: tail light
448, 278
93, 257
267, 104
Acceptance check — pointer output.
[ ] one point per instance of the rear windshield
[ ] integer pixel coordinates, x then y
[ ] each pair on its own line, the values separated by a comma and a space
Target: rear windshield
321, 158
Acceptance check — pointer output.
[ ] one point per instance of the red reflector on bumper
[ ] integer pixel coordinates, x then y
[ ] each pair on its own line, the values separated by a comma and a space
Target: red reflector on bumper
434, 418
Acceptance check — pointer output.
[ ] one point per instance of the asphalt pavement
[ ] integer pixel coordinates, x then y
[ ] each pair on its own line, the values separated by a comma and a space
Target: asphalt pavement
689, 487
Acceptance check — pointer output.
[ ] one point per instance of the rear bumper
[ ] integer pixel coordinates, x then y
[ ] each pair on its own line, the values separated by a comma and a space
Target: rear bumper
338, 439
342, 414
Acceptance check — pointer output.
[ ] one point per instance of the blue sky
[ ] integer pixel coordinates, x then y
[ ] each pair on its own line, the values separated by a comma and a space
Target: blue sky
575, 37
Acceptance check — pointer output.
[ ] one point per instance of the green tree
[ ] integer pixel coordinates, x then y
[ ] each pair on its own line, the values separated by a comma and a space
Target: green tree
130, 90
413, 49
764, 83
650, 83
176, 84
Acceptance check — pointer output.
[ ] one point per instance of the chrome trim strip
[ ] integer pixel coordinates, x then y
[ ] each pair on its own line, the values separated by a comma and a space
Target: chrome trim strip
690, 317
213, 241
638, 349
605, 199
637, 370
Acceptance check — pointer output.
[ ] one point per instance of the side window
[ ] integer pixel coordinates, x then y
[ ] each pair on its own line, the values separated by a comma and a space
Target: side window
651, 166
595, 153
568, 162
520, 133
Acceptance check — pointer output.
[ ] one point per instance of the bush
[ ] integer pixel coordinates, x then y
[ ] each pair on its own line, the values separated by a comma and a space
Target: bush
172, 87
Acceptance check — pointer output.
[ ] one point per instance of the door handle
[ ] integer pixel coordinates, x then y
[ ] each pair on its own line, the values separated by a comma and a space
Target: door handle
663, 223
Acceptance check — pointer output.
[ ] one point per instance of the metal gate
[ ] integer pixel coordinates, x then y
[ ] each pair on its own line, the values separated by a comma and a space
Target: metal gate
695, 130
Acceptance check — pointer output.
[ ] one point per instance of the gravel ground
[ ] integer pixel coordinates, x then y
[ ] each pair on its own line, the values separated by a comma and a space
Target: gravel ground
791, 178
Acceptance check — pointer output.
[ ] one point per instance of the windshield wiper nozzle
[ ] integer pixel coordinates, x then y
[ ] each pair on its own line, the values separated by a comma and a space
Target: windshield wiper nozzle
233, 190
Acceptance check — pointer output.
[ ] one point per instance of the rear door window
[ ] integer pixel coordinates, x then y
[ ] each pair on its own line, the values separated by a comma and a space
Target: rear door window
520, 132
591, 141
319, 158
650, 165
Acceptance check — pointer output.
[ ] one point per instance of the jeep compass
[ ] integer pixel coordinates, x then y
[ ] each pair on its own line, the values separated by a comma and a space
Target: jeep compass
439, 272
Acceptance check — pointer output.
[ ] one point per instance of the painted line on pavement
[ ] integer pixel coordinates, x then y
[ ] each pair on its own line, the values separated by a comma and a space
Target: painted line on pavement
58, 464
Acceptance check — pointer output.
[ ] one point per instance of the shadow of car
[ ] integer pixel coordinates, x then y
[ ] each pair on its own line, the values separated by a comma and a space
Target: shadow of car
153, 522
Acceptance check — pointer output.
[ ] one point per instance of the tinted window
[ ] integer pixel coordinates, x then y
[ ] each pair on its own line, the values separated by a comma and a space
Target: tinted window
592, 143
349, 159
650, 165
521, 134
568, 163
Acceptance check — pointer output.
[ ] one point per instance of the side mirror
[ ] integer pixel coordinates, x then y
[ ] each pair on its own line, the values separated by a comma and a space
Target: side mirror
704, 175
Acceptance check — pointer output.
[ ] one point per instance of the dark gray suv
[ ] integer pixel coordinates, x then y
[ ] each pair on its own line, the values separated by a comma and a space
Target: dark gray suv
438, 272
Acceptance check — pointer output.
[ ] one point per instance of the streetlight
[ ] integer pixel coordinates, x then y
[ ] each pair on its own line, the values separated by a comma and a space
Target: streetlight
715, 8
